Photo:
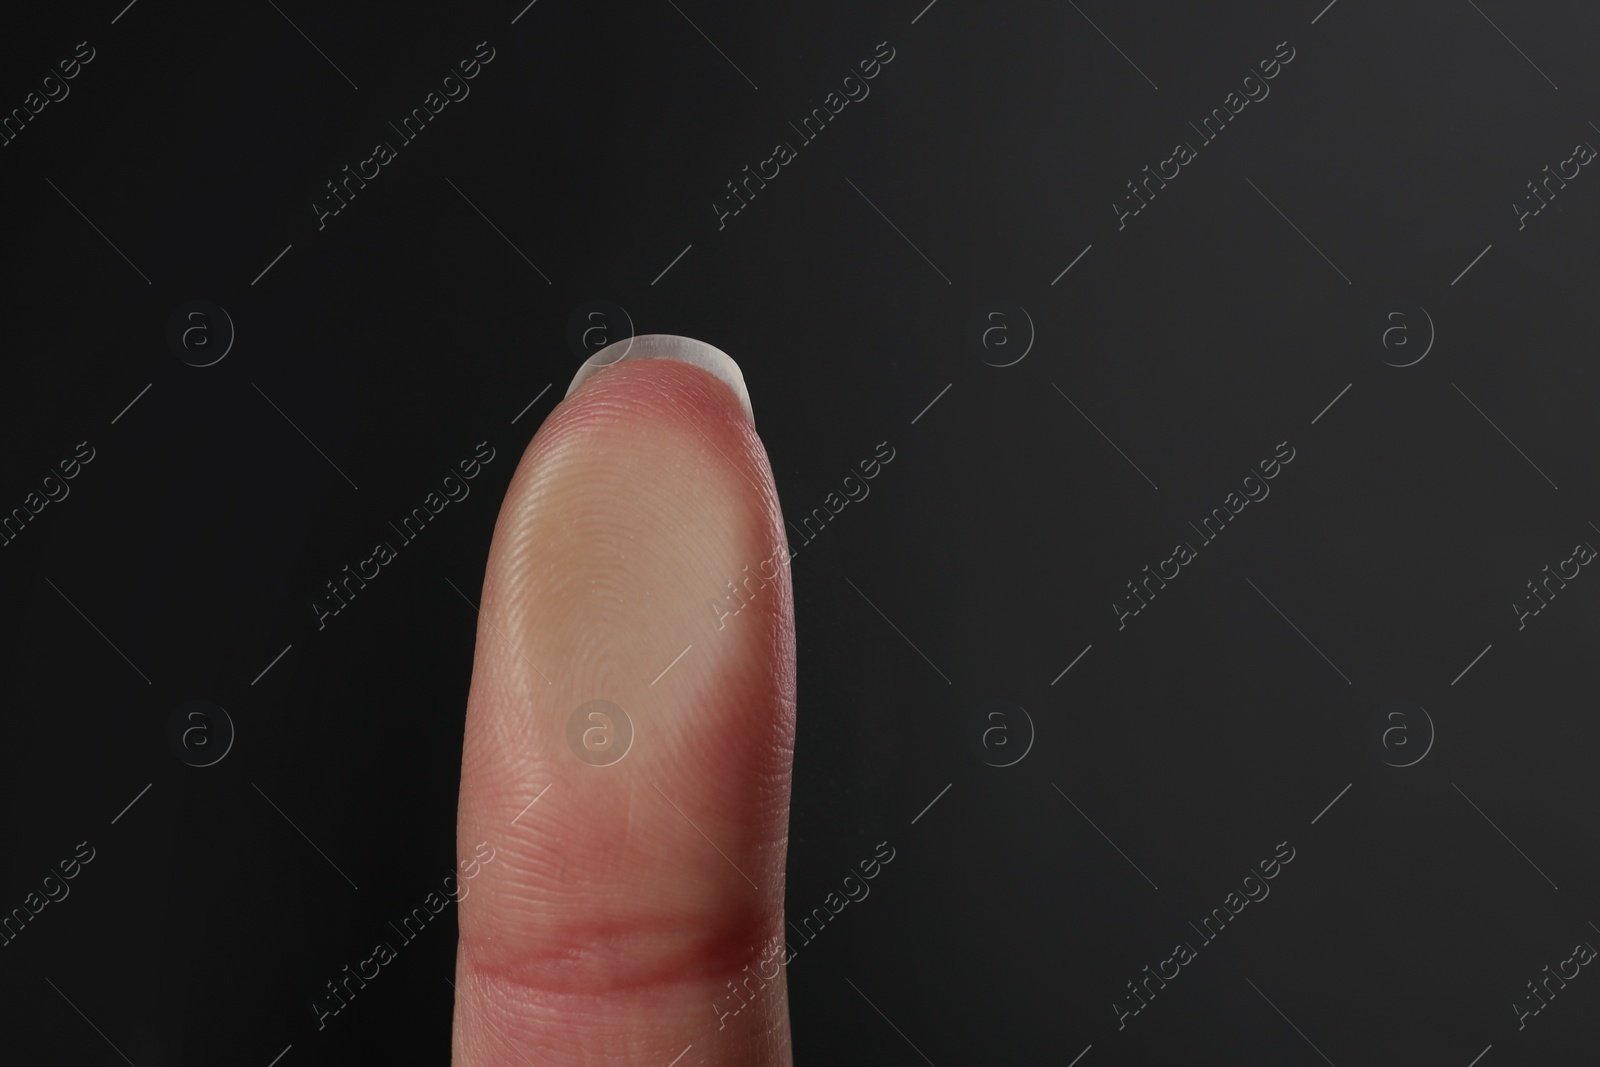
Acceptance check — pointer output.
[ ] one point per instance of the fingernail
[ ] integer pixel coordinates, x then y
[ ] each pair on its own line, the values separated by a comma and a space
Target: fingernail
708, 358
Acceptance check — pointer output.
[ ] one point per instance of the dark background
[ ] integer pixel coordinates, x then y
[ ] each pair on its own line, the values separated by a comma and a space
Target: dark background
1220, 721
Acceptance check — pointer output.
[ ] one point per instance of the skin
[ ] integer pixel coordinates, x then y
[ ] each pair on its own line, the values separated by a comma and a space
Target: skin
617, 908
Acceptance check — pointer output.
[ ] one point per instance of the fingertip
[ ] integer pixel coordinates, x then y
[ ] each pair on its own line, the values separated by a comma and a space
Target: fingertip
674, 347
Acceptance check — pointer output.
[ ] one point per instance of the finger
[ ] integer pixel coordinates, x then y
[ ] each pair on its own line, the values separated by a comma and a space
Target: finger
621, 912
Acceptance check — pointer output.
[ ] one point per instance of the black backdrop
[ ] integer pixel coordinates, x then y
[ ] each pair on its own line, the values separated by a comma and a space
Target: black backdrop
1350, 671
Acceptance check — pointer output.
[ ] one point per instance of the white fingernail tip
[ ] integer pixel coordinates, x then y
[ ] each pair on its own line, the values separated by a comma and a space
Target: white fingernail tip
708, 358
